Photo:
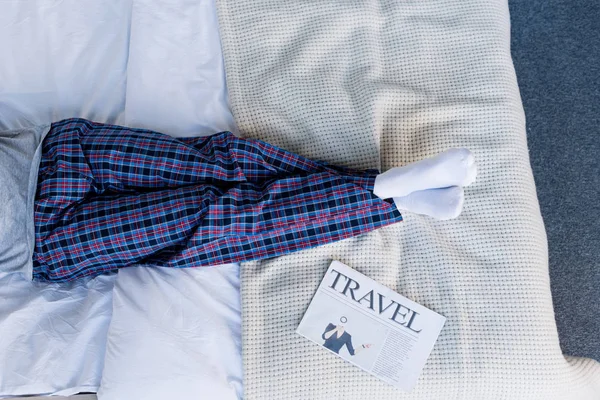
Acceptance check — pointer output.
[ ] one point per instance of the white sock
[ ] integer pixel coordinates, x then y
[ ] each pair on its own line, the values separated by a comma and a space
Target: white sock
445, 203
454, 167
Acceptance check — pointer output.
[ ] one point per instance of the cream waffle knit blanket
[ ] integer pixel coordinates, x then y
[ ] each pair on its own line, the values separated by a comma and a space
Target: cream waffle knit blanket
381, 83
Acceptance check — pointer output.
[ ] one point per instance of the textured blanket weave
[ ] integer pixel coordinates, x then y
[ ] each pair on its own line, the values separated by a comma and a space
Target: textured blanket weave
382, 83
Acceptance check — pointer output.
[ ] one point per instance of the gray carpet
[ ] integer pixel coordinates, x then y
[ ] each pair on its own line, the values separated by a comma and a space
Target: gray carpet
556, 51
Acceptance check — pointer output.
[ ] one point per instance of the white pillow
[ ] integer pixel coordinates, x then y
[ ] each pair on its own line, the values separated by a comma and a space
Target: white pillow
175, 334
52, 336
176, 80
20, 153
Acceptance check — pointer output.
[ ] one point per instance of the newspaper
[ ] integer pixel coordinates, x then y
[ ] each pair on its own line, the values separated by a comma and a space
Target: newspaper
371, 326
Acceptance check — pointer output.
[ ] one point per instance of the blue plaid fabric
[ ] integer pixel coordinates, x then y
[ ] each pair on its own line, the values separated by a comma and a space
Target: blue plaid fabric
109, 197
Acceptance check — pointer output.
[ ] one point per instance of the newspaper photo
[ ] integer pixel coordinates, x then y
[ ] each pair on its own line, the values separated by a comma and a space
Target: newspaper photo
371, 326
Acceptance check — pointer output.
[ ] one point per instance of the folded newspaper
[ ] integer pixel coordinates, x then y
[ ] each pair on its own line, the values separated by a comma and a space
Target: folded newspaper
371, 326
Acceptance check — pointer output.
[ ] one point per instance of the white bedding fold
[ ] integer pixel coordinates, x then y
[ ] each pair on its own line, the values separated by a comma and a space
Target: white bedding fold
175, 333
53, 337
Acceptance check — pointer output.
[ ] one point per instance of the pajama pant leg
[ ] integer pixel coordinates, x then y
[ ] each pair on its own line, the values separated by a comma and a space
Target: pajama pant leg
110, 197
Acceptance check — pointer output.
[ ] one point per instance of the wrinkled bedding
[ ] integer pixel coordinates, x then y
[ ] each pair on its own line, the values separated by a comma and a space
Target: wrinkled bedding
146, 64
179, 324
53, 337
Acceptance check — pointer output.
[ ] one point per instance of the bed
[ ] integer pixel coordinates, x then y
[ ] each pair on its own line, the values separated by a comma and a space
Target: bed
363, 84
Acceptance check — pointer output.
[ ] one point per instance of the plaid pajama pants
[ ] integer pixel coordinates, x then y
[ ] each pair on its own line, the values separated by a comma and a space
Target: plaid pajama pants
110, 197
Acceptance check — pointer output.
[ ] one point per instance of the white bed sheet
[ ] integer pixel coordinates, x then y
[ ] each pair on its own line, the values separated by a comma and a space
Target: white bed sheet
52, 337
170, 332
140, 63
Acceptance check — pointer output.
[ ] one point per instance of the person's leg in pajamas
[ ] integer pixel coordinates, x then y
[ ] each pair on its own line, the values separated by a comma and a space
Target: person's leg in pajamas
110, 197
